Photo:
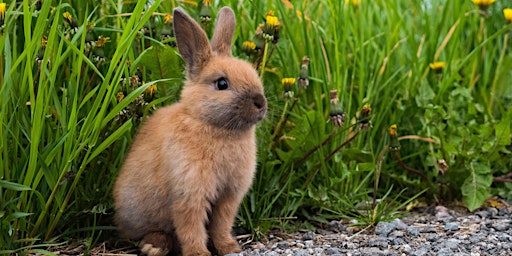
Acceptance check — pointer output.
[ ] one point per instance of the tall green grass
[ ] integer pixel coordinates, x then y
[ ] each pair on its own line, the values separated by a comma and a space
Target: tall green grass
69, 108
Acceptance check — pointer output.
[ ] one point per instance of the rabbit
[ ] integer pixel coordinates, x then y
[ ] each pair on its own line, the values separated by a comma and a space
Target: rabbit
191, 163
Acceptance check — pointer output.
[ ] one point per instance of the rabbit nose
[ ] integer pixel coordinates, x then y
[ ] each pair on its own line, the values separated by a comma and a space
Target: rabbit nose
259, 101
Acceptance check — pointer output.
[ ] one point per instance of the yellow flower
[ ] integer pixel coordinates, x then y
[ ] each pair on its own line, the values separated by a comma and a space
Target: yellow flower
508, 14
483, 3
288, 83
151, 90
2, 10
207, 2
392, 130
355, 3
271, 28
120, 96
44, 41
438, 65
167, 18
249, 45
68, 16
102, 41
272, 21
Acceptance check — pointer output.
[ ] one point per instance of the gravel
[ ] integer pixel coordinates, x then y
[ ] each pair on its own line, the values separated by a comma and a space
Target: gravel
441, 232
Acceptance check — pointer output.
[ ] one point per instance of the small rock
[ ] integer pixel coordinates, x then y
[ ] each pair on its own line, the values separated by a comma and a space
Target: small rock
396, 233
431, 237
442, 212
378, 242
259, 246
399, 224
445, 252
384, 228
482, 214
501, 226
332, 251
412, 231
283, 245
419, 252
372, 251
308, 236
451, 226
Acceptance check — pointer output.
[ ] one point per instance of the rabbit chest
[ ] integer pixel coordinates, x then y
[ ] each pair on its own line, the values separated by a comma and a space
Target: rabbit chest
207, 159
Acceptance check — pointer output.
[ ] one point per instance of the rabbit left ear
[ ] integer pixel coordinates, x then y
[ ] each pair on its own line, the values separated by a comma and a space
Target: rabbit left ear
192, 42
223, 33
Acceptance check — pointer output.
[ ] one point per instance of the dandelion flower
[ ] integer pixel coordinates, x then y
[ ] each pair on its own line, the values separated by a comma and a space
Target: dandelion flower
507, 12
355, 3
68, 16
151, 90
167, 18
3, 7
438, 65
120, 96
271, 28
102, 41
288, 86
483, 4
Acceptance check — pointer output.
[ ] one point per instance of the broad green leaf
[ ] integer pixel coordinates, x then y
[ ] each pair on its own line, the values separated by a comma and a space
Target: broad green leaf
475, 189
502, 130
162, 61
425, 95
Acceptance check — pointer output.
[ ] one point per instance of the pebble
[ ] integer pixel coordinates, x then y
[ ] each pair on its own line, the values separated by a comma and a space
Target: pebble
443, 232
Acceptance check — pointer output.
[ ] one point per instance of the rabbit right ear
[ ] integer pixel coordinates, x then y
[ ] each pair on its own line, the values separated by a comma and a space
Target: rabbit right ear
192, 42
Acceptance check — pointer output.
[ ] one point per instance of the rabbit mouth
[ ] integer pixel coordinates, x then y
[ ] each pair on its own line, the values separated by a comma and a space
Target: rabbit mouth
243, 113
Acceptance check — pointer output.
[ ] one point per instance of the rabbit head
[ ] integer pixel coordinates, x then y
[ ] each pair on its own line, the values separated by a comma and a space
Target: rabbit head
220, 90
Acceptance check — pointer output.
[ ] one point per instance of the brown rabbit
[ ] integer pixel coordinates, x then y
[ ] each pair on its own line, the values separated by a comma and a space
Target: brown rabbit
192, 162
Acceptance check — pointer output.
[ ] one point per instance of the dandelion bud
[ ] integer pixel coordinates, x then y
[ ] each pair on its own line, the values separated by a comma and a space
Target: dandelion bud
364, 118
336, 113
205, 15
393, 138
304, 74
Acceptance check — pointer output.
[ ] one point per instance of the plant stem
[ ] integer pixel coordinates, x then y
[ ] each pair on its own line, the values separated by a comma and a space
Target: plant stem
403, 165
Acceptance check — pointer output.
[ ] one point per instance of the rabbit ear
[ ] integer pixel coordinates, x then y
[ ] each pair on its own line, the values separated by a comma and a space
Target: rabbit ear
223, 33
192, 41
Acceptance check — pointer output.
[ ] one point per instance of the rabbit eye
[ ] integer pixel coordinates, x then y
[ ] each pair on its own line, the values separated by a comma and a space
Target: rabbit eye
222, 84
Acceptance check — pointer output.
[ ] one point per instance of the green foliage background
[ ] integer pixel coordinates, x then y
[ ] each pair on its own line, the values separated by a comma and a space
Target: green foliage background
65, 127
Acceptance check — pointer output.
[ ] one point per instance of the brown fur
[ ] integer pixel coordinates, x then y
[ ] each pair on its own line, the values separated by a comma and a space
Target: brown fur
192, 162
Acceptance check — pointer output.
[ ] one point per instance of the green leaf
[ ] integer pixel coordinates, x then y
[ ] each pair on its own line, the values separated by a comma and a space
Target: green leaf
162, 61
13, 186
475, 189
502, 130
425, 95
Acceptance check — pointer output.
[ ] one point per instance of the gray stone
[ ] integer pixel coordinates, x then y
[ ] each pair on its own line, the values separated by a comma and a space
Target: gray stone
412, 231
332, 251
308, 236
378, 242
384, 228
283, 245
451, 226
